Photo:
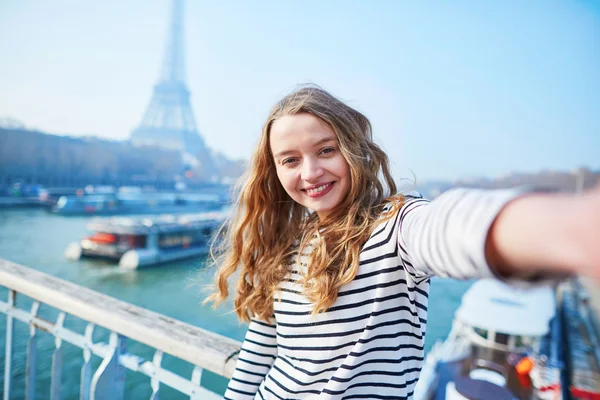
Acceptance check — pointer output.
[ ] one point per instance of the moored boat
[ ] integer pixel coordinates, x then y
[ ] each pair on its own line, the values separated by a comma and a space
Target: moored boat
505, 343
140, 242
137, 203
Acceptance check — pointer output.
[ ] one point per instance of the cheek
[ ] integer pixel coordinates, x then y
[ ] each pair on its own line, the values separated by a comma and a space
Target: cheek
343, 168
346, 174
285, 178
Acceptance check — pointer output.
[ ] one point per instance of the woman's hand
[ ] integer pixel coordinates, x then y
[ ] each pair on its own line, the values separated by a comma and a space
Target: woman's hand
589, 236
557, 234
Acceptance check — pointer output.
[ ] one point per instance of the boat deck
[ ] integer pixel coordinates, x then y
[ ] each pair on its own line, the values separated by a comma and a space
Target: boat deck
162, 224
520, 387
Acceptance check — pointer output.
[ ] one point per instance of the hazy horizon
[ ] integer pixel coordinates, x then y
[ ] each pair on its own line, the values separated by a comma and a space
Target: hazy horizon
453, 91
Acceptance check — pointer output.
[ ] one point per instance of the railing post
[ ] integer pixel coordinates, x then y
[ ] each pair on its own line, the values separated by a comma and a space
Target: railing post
31, 355
155, 383
86, 369
55, 381
12, 297
196, 377
109, 380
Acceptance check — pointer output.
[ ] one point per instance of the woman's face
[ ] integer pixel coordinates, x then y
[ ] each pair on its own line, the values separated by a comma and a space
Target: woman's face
310, 165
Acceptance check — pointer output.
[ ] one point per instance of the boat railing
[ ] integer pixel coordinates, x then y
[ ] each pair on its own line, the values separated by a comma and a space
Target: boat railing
489, 342
589, 319
121, 323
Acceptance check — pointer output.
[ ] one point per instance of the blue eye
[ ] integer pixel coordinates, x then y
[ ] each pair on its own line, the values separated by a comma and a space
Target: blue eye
289, 160
328, 150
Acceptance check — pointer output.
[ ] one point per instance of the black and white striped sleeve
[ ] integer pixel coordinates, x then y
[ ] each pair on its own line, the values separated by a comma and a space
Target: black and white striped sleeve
446, 237
256, 357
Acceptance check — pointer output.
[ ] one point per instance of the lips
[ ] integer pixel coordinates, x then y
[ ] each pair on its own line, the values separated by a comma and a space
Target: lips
318, 190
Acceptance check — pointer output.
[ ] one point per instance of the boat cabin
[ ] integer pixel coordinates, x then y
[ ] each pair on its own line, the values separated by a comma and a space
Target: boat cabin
510, 320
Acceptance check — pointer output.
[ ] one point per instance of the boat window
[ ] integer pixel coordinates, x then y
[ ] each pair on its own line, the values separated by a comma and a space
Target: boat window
481, 332
104, 238
175, 240
502, 338
137, 241
521, 341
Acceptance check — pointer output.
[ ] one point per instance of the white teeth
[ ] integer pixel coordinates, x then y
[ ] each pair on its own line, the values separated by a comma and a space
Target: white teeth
317, 189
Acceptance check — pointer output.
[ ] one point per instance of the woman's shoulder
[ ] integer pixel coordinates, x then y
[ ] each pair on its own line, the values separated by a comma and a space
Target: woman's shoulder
384, 233
394, 204
392, 207
395, 208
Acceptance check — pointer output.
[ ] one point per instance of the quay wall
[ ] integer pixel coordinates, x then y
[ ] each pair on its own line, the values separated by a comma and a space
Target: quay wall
39, 158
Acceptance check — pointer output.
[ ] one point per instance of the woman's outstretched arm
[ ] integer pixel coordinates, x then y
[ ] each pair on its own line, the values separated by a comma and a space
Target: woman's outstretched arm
512, 234
538, 234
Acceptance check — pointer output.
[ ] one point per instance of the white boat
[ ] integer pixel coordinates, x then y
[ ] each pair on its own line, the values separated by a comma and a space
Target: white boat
140, 242
131, 202
502, 345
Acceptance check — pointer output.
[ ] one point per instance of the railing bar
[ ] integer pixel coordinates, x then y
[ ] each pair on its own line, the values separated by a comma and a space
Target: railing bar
31, 364
12, 297
98, 349
108, 381
70, 336
86, 368
74, 338
55, 376
154, 382
196, 377
101, 350
195, 345
186, 342
44, 325
165, 376
24, 316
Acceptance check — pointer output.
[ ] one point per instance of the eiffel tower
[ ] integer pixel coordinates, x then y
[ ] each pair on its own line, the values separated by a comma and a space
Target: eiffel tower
169, 121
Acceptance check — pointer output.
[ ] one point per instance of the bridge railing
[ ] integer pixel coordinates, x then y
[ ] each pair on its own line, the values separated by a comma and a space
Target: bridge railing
125, 322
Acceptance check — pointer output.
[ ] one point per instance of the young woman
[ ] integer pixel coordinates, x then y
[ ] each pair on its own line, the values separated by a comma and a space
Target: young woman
334, 266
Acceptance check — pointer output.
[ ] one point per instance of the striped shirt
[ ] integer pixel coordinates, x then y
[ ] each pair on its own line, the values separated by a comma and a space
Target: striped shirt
369, 343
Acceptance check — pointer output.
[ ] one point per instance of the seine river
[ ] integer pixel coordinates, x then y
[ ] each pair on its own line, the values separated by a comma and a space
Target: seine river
37, 239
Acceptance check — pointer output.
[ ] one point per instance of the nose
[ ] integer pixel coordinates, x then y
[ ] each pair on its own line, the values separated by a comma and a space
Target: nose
311, 170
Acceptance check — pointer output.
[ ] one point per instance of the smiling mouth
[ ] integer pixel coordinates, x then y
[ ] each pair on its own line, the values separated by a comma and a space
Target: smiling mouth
318, 190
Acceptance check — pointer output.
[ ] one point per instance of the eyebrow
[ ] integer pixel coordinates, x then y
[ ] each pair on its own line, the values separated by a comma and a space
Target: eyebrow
320, 142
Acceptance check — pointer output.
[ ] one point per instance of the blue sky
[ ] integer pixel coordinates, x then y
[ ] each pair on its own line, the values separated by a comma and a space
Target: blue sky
453, 89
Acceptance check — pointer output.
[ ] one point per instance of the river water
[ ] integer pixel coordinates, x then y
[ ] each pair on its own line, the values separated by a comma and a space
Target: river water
37, 239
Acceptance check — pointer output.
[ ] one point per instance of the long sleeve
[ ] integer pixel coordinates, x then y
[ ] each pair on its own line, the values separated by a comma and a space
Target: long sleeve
446, 237
256, 357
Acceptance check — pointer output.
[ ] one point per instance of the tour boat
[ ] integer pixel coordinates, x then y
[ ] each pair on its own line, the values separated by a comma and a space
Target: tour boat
140, 242
505, 343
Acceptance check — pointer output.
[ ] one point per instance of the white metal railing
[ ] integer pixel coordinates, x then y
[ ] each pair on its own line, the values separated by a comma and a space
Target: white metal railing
203, 349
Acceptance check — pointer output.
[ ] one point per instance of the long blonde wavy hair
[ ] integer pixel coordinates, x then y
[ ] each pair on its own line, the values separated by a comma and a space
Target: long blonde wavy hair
267, 225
